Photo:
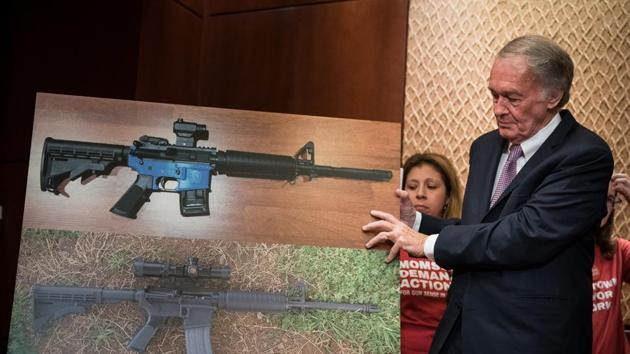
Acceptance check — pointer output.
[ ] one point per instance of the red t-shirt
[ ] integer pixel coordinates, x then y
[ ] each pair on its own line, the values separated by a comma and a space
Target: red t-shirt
423, 289
608, 278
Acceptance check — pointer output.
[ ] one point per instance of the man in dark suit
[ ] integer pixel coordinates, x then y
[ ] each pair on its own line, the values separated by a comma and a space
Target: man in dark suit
523, 249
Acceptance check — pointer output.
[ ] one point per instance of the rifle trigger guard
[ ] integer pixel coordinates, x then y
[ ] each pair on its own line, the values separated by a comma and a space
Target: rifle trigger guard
166, 184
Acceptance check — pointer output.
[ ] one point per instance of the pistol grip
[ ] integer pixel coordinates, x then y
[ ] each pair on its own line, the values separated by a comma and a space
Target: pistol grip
141, 340
194, 202
134, 198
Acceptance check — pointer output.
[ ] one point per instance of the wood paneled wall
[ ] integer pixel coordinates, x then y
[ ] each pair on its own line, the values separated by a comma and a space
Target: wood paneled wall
319, 57
170, 44
327, 58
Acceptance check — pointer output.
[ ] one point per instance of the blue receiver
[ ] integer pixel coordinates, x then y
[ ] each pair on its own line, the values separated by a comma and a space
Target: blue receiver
189, 175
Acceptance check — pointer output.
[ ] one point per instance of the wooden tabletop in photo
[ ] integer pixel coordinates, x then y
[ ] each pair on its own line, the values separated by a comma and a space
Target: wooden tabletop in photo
322, 211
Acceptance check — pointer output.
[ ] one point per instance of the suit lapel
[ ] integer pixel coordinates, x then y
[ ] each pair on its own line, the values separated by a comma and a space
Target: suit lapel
489, 163
545, 150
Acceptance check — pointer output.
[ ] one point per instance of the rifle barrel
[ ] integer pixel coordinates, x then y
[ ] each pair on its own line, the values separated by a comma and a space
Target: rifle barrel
347, 172
318, 305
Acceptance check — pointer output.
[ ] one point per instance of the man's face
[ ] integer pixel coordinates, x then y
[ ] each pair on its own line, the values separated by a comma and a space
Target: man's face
519, 104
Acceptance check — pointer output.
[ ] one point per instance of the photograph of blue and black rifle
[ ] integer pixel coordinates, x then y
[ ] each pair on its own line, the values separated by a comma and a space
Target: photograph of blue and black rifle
195, 308
183, 167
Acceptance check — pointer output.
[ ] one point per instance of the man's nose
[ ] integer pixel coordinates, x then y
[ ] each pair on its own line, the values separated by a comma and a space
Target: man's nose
499, 106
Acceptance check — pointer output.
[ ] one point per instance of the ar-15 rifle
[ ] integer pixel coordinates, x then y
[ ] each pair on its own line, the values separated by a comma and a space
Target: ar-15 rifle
194, 308
159, 163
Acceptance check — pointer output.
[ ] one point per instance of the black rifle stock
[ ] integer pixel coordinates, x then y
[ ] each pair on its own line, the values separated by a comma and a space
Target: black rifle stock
196, 309
160, 164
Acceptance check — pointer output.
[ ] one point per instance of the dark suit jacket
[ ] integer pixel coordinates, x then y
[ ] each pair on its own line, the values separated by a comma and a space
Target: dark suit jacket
522, 269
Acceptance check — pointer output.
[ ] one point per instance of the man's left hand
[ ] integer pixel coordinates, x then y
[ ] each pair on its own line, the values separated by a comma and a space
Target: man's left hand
394, 230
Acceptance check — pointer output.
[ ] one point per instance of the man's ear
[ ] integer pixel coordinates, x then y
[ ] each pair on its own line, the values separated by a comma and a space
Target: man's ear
553, 98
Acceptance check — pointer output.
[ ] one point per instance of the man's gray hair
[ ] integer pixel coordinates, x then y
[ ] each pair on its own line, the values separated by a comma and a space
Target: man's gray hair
551, 64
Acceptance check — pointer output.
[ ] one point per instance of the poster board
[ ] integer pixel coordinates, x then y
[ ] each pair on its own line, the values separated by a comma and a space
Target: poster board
275, 237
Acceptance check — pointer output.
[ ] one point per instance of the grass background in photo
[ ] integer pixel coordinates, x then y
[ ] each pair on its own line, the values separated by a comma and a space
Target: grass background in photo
20, 341
348, 275
104, 260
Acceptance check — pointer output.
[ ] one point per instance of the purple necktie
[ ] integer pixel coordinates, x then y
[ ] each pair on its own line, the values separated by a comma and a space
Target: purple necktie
508, 173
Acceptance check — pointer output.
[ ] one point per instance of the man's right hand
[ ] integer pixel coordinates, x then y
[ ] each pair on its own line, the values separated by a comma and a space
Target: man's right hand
391, 229
407, 211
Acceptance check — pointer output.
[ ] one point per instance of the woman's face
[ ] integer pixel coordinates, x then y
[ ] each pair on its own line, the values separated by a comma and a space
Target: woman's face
427, 190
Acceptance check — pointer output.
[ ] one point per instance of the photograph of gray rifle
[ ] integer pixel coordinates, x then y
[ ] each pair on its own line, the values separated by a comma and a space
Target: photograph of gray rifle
195, 308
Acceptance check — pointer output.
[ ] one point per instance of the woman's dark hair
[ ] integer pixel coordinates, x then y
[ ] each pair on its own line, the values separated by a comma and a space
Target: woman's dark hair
604, 239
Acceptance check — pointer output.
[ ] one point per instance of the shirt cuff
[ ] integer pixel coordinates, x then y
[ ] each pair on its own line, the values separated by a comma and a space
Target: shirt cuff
429, 246
418, 221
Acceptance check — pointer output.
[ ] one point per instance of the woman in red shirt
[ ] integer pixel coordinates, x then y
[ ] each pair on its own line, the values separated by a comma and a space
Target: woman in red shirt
434, 189
611, 269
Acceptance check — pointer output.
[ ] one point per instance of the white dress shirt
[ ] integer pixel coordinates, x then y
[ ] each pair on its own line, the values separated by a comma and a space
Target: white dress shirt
529, 147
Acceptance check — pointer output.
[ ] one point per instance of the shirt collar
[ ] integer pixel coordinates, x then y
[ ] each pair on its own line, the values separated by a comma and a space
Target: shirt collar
532, 144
